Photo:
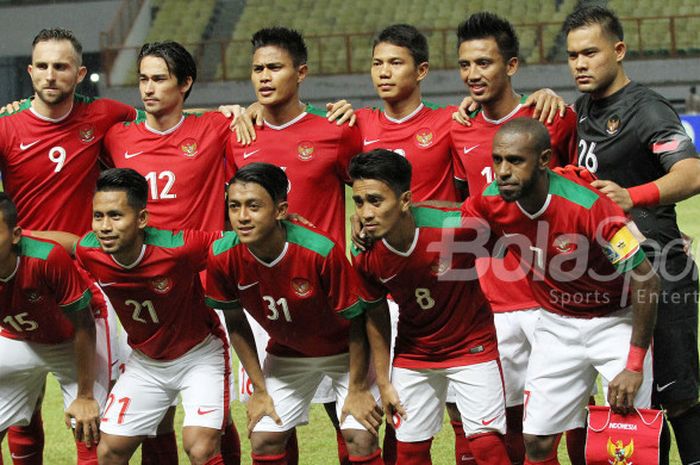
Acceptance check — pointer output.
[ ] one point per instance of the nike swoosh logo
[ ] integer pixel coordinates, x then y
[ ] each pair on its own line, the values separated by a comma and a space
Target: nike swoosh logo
467, 150
24, 146
370, 142
488, 422
101, 284
582, 119
250, 154
18, 457
665, 386
386, 280
204, 412
242, 287
128, 155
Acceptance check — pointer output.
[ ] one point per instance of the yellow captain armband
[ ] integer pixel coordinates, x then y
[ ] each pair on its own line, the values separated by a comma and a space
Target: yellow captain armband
624, 251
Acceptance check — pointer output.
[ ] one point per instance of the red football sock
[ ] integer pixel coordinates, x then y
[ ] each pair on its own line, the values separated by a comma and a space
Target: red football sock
86, 456
26, 443
292, 449
280, 459
515, 444
389, 446
343, 456
576, 446
463, 453
413, 453
231, 445
216, 460
375, 458
160, 450
489, 448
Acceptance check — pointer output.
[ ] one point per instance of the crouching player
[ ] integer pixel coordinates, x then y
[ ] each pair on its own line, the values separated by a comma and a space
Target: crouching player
446, 336
47, 327
297, 283
151, 276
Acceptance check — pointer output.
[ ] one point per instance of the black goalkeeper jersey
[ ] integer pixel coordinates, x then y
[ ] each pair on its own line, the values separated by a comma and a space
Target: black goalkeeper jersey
634, 137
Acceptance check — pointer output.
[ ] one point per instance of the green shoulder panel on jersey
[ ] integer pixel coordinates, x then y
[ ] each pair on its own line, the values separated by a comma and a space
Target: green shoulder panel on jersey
26, 104
29, 247
491, 190
354, 250
164, 238
84, 98
571, 191
523, 98
434, 218
354, 310
82, 302
433, 106
89, 241
221, 304
196, 114
297, 234
140, 118
228, 241
315, 110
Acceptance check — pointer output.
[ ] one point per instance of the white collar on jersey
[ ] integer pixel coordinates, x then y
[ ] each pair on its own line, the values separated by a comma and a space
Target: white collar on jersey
51, 120
405, 118
410, 249
167, 131
136, 262
538, 212
285, 125
504, 119
276, 260
14, 272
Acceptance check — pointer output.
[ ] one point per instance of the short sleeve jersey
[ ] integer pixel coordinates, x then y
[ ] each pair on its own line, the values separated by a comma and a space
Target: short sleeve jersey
185, 166
473, 146
631, 138
303, 299
36, 297
423, 138
315, 155
50, 164
158, 298
444, 321
576, 248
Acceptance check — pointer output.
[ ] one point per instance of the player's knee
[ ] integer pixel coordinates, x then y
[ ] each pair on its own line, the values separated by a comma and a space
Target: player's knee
539, 448
264, 443
107, 454
677, 408
360, 442
201, 451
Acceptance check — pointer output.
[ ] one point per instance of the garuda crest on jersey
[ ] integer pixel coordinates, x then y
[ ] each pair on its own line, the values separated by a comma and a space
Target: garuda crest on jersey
619, 453
86, 133
305, 150
564, 244
440, 267
161, 284
613, 125
33, 296
424, 137
301, 287
189, 147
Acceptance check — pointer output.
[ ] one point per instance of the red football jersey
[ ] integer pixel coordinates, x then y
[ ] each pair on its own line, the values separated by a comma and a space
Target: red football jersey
315, 155
574, 249
45, 285
444, 321
159, 298
423, 137
303, 299
185, 167
48, 165
473, 145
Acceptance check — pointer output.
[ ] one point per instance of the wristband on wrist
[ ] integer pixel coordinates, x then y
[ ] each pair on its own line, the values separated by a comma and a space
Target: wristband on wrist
635, 359
646, 195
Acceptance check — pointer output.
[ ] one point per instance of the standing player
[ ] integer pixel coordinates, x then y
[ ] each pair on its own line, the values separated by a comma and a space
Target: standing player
151, 276
632, 139
297, 283
488, 59
48, 158
47, 327
446, 335
586, 270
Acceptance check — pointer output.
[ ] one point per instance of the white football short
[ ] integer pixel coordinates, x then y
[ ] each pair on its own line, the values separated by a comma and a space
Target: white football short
24, 366
292, 382
515, 332
148, 387
567, 355
116, 348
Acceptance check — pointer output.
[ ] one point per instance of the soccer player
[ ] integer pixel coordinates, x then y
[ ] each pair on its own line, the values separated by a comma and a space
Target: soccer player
446, 336
151, 276
588, 273
48, 158
633, 140
47, 327
488, 59
297, 283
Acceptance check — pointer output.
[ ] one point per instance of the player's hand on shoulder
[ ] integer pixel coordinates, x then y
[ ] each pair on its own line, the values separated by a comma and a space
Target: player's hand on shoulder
297, 218
12, 107
244, 122
83, 415
391, 404
467, 106
341, 112
260, 405
622, 390
361, 405
547, 104
357, 234
614, 192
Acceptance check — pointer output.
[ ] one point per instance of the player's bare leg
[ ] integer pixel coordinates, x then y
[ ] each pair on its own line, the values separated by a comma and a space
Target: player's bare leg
362, 447
202, 445
463, 453
684, 417
269, 447
117, 450
26, 443
161, 449
342, 447
541, 449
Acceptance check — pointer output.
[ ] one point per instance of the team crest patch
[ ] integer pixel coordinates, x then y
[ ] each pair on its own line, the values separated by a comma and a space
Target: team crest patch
161, 284
440, 267
424, 137
620, 454
613, 125
189, 147
564, 244
86, 133
33, 296
305, 150
301, 287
